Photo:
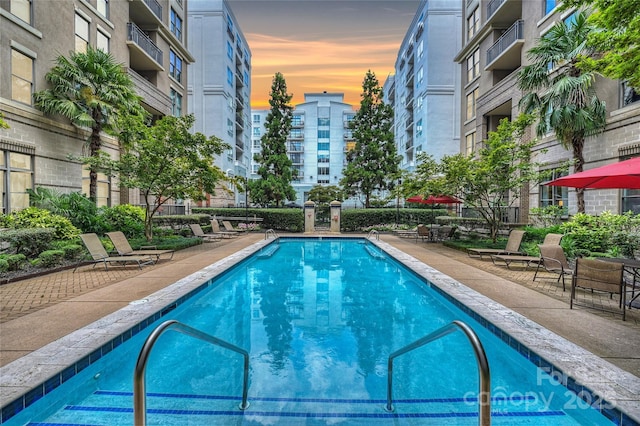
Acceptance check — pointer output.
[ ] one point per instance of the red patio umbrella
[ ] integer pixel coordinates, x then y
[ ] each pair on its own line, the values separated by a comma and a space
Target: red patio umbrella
621, 175
433, 199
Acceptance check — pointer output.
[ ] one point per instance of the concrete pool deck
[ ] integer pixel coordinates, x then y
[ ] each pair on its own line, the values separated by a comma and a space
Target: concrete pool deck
42, 310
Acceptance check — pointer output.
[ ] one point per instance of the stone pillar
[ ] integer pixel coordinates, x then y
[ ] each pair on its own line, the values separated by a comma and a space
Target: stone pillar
335, 210
309, 217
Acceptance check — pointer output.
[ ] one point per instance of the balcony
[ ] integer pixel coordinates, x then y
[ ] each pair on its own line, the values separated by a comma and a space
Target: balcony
147, 13
503, 12
155, 101
295, 147
144, 54
409, 123
240, 121
297, 123
296, 135
506, 53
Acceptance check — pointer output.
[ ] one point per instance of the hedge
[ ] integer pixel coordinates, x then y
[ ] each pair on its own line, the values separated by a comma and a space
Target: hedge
284, 219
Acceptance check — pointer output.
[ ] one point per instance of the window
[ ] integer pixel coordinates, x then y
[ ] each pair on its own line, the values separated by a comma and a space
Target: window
296, 134
473, 23
257, 144
323, 158
21, 9
419, 77
176, 103
631, 201
629, 94
471, 103
229, 76
229, 127
570, 20
256, 131
245, 77
549, 5
256, 118
229, 50
297, 120
103, 7
420, 51
16, 176
323, 134
323, 146
176, 25
323, 171
82, 34
470, 140
324, 121
102, 41
419, 128
473, 65
419, 102
175, 66
21, 77
554, 195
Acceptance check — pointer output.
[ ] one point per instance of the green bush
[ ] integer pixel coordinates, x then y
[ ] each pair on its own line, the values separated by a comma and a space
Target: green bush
353, 220
4, 265
50, 258
6, 221
33, 217
607, 232
71, 249
290, 220
29, 242
13, 262
124, 217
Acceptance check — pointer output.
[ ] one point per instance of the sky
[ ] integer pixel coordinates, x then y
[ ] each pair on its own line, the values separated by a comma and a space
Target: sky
321, 45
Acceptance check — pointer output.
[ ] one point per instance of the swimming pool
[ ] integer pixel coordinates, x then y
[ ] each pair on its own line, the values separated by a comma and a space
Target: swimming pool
319, 345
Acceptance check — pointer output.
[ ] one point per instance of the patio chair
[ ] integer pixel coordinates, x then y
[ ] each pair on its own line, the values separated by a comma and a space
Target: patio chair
443, 233
99, 254
512, 247
596, 275
553, 260
423, 232
198, 232
229, 227
122, 246
552, 239
215, 226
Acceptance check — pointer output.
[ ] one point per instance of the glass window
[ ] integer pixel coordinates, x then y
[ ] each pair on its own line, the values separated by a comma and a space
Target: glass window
21, 9
629, 94
570, 20
21, 77
229, 50
323, 171
471, 103
324, 121
323, 146
176, 103
549, 5
103, 7
175, 66
297, 120
82, 34
419, 128
229, 127
256, 131
473, 23
631, 200
323, 158
323, 134
554, 195
419, 77
471, 143
102, 41
176, 25
256, 118
473, 65
420, 51
229, 76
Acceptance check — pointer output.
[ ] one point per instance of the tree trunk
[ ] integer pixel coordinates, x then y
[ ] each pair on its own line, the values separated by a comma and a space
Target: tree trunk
577, 142
94, 150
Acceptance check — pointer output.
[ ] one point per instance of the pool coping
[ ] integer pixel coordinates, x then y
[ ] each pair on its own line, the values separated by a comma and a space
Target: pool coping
29, 378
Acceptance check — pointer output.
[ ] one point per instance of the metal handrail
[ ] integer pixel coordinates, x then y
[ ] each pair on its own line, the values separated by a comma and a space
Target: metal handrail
372, 233
270, 232
484, 398
139, 382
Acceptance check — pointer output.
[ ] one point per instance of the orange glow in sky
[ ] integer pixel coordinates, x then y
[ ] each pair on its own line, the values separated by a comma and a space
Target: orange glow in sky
321, 45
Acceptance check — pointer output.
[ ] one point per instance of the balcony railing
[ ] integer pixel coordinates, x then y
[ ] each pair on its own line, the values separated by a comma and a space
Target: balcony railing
155, 7
492, 6
138, 36
510, 36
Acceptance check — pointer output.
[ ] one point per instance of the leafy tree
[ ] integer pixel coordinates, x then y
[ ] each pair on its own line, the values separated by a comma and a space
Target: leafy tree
564, 100
373, 163
276, 173
489, 182
165, 161
90, 89
325, 194
616, 38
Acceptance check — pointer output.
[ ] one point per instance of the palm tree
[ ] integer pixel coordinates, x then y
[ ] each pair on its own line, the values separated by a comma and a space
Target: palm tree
90, 89
564, 98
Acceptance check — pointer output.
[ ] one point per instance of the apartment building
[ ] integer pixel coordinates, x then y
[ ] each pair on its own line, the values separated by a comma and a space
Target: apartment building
425, 89
496, 37
317, 143
220, 89
147, 36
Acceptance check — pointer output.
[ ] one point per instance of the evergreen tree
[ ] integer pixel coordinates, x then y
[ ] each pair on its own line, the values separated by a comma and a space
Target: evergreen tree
276, 173
373, 162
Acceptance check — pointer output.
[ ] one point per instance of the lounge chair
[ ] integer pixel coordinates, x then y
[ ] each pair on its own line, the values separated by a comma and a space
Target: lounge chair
512, 247
526, 261
198, 232
553, 260
228, 226
596, 275
122, 246
100, 255
215, 226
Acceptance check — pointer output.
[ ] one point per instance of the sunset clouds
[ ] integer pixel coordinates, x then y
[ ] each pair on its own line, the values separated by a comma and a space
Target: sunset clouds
321, 45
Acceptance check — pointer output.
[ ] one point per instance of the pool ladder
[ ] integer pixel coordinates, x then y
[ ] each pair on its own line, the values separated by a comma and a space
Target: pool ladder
373, 233
270, 233
139, 382
484, 397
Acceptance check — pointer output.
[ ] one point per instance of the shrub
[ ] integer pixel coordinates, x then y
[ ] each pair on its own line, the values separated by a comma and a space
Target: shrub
33, 217
4, 265
14, 262
29, 242
51, 258
126, 218
71, 250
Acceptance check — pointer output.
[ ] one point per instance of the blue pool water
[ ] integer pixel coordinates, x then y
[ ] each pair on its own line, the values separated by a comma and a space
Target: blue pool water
319, 319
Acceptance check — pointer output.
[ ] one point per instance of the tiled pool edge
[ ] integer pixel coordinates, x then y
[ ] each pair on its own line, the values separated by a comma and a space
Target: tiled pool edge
29, 378
601, 380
